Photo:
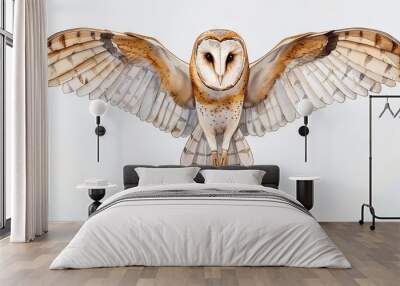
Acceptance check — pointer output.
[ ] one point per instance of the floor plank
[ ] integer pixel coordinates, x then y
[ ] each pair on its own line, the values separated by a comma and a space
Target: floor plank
375, 257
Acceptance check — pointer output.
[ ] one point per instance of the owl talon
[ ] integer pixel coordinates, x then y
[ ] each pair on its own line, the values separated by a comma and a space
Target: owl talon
214, 158
224, 158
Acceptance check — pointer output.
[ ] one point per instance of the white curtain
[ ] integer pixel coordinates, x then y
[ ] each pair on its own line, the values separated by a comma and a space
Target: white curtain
26, 119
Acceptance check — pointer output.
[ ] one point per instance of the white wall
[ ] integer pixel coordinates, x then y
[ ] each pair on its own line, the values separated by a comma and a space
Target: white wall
338, 143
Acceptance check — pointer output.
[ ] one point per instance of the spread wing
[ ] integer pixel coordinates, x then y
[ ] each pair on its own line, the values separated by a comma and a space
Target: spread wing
323, 67
130, 71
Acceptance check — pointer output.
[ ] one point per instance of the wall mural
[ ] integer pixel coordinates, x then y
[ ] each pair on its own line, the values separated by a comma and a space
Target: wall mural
219, 98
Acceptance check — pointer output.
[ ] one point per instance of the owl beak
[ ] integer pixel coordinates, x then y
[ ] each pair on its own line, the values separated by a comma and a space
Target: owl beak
220, 78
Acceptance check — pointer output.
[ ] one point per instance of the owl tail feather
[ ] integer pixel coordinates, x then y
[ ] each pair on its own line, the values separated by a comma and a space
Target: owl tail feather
198, 152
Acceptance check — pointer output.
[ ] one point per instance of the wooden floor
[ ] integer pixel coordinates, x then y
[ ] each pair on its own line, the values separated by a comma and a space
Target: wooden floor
375, 257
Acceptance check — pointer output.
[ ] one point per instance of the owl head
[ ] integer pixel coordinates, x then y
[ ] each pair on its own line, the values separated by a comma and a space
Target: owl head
219, 58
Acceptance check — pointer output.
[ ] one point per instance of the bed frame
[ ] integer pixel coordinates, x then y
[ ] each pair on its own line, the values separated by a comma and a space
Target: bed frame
270, 179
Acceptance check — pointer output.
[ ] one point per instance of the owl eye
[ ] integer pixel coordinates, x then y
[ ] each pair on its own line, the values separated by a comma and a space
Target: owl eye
229, 58
209, 57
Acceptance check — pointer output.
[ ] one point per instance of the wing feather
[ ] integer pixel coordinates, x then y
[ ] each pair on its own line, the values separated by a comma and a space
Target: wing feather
372, 38
135, 77
155, 108
249, 121
108, 81
80, 79
310, 93
289, 90
79, 69
335, 80
65, 39
161, 114
370, 63
295, 83
271, 114
92, 78
332, 89
174, 118
377, 77
100, 78
351, 85
277, 110
66, 88
262, 112
78, 48
138, 94
258, 128
75, 74
288, 109
117, 91
149, 97
181, 124
68, 63
191, 124
355, 75
383, 55
316, 85
168, 115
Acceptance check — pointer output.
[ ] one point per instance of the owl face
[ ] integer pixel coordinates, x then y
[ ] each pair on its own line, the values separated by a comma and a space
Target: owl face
220, 63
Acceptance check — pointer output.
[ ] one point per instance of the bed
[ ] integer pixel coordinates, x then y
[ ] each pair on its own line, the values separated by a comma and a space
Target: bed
198, 224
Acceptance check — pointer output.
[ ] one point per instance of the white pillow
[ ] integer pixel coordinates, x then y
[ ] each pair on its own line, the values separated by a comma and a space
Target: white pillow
165, 176
248, 177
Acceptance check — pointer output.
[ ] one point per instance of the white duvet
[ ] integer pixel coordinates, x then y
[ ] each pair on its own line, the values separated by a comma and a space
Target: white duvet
200, 231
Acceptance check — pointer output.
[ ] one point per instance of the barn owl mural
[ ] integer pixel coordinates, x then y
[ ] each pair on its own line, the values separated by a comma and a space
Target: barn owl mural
219, 97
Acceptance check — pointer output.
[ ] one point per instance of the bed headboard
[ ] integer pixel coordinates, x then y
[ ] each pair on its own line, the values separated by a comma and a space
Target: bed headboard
271, 177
